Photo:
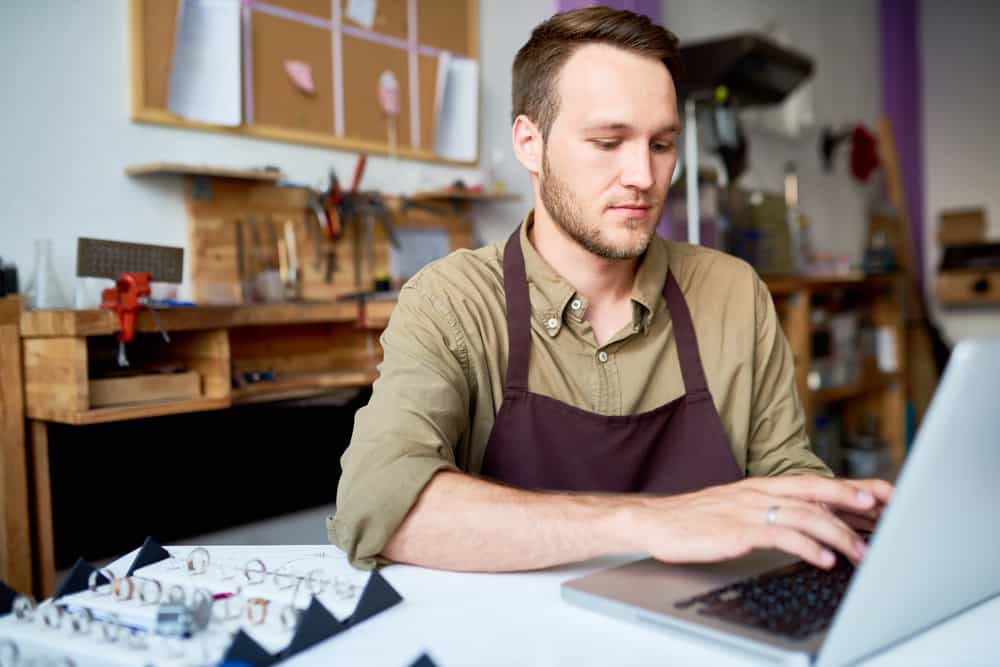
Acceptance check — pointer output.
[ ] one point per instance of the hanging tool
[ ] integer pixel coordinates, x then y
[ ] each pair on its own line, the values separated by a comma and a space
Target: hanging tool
132, 266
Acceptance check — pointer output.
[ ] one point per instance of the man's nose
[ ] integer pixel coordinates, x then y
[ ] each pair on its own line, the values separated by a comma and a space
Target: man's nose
637, 171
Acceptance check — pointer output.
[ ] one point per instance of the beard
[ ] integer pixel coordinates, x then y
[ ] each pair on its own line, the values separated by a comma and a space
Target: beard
566, 212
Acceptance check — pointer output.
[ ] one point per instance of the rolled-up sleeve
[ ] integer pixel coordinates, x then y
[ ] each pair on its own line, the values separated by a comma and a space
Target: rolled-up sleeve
418, 410
779, 443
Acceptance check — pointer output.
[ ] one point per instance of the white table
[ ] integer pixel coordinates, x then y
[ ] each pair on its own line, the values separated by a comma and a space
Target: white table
521, 620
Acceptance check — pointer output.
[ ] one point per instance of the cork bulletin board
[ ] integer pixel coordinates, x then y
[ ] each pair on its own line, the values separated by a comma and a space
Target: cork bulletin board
406, 37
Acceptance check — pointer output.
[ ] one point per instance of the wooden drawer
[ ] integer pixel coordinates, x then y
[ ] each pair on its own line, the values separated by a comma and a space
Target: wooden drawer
145, 388
968, 287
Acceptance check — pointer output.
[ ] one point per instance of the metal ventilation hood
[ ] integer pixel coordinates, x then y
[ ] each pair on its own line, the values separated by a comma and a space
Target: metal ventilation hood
756, 70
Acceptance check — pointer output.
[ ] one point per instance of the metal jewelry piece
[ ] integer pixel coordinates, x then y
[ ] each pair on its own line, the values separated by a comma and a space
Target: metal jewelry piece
257, 610
94, 586
150, 591
228, 608
176, 595
110, 629
290, 617
122, 588
198, 560
315, 583
24, 608
254, 571
81, 620
51, 615
284, 578
772, 515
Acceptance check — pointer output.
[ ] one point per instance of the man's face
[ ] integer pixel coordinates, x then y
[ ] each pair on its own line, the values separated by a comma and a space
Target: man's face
610, 153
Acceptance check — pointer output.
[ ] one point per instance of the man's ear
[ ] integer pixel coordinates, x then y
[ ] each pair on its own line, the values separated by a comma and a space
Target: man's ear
528, 145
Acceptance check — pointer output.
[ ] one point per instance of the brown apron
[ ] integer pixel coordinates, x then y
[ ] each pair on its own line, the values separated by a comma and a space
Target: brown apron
540, 443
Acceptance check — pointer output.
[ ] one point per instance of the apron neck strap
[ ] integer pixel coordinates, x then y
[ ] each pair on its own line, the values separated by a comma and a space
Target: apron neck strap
687, 343
515, 287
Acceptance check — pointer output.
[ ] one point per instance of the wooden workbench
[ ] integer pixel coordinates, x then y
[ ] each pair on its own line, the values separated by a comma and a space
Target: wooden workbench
306, 348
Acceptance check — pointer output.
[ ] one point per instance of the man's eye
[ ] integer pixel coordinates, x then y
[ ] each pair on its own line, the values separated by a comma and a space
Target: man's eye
605, 145
662, 147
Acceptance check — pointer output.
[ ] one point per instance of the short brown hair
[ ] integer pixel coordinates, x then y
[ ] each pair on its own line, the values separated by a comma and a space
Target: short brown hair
538, 63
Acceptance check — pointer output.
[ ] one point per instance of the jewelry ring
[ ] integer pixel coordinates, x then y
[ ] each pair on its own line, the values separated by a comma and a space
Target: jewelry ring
94, 584
24, 607
123, 588
177, 595
197, 560
110, 628
52, 615
289, 617
315, 583
772, 515
257, 610
81, 621
284, 578
150, 591
254, 571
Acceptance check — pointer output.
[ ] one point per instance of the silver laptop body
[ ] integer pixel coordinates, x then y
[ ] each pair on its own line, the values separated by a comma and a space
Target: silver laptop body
935, 553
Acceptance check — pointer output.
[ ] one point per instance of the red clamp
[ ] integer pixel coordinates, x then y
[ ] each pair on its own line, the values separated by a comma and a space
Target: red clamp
125, 298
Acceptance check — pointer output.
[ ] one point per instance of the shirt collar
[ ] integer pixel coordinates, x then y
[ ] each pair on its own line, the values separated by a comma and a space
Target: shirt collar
550, 294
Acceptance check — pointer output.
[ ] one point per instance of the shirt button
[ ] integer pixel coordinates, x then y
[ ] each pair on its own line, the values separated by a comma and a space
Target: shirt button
602, 356
552, 323
576, 304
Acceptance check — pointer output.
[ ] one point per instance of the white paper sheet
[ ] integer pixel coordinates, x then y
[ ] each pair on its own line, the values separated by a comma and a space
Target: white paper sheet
362, 12
205, 75
456, 130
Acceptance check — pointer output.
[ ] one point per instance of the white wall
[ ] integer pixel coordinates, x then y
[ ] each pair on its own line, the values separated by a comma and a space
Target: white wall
842, 39
961, 105
66, 137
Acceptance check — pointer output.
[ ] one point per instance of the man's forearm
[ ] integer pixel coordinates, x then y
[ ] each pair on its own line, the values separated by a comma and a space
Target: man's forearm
461, 522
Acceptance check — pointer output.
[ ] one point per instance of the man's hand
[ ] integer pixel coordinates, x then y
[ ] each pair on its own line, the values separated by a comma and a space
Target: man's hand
814, 515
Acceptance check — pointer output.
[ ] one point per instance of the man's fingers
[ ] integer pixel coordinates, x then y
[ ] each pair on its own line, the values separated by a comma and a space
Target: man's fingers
881, 489
820, 525
795, 543
837, 493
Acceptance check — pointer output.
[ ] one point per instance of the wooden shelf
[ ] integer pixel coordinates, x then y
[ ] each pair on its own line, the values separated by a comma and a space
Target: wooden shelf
148, 409
301, 385
783, 286
161, 168
62, 323
867, 385
444, 195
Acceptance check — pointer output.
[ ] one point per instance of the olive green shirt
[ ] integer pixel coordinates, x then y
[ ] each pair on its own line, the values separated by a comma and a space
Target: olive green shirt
441, 381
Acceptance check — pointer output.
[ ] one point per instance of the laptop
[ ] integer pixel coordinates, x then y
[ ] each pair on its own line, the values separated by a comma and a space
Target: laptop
932, 555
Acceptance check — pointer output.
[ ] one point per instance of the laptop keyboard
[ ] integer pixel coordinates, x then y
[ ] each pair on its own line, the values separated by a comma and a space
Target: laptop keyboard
794, 601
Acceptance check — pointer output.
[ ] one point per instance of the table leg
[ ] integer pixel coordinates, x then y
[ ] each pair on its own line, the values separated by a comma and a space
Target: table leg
45, 561
15, 513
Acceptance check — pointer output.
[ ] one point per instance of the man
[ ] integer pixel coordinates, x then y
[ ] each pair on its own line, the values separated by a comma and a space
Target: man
586, 387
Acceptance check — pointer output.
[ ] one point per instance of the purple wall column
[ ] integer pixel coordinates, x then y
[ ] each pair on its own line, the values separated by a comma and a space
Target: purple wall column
901, 103
650, 8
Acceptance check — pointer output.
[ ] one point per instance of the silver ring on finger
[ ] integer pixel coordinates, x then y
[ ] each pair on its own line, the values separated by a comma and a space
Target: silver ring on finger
772, 515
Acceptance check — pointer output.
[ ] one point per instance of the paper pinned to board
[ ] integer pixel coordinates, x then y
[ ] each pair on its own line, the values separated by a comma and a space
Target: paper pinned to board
362, 12
456, 108
205, 78
301, 75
